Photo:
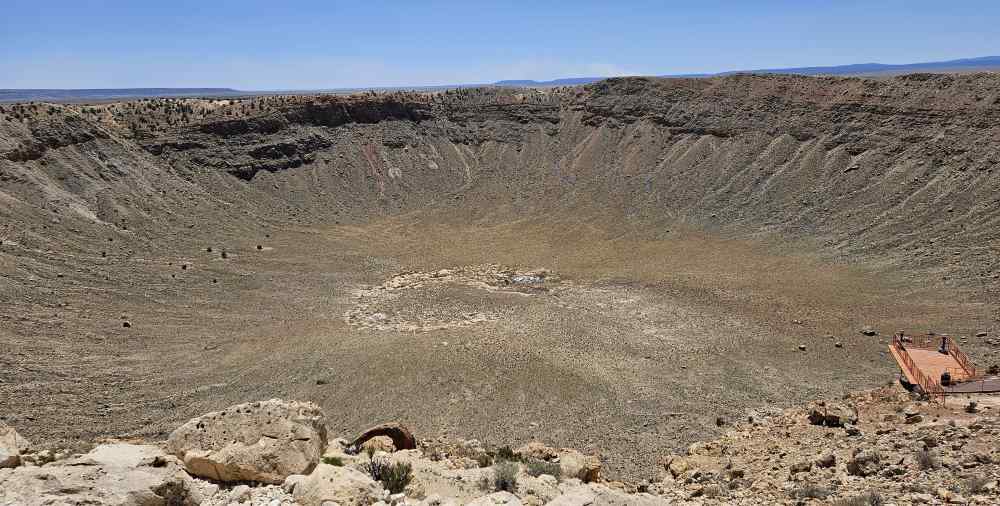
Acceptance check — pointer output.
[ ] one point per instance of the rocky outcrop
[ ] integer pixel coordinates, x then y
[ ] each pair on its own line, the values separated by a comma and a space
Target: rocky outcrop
341, 485
332, 111
865, 463
777, 460
299, 147
259, 441
113, 474
49, 134
785, 459
832, 414
574, 464
11, 446
586, 468
676, 465
242, 126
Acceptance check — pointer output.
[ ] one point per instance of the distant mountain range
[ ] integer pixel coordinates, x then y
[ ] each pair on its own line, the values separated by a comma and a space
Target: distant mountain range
865, 69
567, 81
985, 63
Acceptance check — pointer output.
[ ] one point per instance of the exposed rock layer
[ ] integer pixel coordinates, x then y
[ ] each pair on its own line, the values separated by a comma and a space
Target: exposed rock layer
902, 169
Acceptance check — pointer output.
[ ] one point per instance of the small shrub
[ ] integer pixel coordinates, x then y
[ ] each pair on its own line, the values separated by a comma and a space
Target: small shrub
871, 498
484, 460
397, 476
505, 476
810, 492
394, 477
333, 461
375, 467
926, 460
537, 468
505, 453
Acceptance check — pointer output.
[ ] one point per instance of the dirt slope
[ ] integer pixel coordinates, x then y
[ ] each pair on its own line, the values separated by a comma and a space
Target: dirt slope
696, 231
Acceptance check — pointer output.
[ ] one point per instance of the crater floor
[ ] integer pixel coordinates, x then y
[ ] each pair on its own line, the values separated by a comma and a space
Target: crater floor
630, 347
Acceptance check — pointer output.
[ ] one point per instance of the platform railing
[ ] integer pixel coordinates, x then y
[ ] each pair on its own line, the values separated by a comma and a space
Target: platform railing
962, 359
931, 388
935, 343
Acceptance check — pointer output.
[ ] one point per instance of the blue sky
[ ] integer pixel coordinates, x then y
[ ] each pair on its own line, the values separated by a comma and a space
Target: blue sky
276, 44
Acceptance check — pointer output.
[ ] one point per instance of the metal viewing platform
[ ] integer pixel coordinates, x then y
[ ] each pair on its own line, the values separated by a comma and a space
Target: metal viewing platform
937, 366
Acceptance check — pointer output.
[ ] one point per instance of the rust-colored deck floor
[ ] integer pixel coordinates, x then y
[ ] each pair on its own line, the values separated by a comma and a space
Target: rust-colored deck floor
933, 363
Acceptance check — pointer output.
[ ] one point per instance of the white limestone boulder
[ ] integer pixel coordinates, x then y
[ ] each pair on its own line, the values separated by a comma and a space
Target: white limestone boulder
257, 441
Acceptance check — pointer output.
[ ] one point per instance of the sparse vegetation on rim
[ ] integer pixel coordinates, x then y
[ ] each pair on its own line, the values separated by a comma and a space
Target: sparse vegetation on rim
394, 476
537, 468
397, 476
505, 476
333, 461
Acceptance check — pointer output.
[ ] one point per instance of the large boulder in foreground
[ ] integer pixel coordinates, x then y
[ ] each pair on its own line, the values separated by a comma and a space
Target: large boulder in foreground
572, 463
257, 441
832, 414
11, 446
111, 474
585, 468
342, 485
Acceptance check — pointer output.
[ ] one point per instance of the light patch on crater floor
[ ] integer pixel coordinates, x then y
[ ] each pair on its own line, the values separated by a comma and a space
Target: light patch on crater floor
446, 298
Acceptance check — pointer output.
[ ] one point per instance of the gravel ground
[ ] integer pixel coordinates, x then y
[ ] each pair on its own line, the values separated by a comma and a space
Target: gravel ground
631, 355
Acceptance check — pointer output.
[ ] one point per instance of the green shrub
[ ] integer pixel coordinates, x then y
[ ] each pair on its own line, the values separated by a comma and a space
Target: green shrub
484, 460
333, 461
537, 468
397, 476
505, 453
505, 476
394, 477
375, 467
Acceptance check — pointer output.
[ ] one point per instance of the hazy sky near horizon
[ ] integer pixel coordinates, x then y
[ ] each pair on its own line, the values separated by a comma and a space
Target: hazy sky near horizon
258, 45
